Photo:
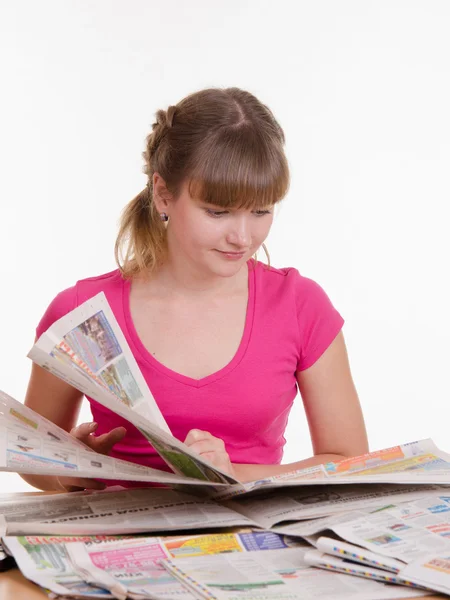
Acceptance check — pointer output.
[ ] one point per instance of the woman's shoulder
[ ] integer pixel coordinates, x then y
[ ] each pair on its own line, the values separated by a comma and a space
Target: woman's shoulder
110, 283
85, 288
68, 299
292, 297
288, 286
282, 277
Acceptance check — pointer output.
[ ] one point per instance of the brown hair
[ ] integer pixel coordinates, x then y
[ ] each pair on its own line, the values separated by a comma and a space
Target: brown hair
226, 144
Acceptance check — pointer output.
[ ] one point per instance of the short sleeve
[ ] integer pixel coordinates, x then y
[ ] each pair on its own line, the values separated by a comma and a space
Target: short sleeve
318, 321
62, 304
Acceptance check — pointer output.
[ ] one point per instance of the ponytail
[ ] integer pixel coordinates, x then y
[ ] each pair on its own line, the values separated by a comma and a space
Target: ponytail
142, 234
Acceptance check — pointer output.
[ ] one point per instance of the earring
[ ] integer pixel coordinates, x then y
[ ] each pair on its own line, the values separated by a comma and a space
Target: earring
163, 216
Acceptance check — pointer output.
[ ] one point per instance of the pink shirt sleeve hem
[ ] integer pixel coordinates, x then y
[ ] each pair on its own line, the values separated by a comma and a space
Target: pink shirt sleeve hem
318, 321
317, 352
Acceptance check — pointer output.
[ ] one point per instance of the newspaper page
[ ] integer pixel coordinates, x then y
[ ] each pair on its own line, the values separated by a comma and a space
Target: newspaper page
412, 463
87, 349
120, 512
135, 563
416, 534
176, 454
131, 562
268, 509
274, 575
245, 540
432, 571
312, 528
403, 532
407, 532
16, 412
91, 339
318, 559
31, 444
49, 566
337, 547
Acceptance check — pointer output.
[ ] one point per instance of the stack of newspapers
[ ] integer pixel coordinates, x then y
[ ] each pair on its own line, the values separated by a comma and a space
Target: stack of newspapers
373, 526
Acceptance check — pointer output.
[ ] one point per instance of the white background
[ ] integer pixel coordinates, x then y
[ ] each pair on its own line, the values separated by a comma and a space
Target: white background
362, 90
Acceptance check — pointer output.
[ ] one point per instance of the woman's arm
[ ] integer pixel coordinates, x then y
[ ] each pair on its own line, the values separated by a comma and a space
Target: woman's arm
60, 403
333, 412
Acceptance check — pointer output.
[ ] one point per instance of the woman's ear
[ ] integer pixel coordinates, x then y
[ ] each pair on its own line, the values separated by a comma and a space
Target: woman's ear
161, 195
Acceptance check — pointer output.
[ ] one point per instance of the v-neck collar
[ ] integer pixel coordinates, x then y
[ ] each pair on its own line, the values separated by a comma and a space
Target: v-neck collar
151, 360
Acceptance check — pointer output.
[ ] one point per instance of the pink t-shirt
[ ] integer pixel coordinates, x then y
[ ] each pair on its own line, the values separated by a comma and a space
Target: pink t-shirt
290, 323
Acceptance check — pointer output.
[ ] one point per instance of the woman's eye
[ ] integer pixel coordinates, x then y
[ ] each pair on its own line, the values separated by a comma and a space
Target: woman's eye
216, 213
219, 213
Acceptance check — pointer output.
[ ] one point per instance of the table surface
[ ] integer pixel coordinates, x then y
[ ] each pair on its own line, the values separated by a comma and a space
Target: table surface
14, 586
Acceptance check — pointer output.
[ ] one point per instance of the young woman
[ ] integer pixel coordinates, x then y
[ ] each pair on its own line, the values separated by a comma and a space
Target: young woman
223, 341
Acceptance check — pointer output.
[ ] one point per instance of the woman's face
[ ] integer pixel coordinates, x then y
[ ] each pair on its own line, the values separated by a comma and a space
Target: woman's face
213, 240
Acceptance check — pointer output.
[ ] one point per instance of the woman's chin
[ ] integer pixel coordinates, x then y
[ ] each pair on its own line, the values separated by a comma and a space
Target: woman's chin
227, 268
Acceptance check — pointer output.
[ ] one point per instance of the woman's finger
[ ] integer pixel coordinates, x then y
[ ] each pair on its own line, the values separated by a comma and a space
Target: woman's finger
83, 431
196, 435
105, 442
217, 459
102, 443
220, 460
205, 446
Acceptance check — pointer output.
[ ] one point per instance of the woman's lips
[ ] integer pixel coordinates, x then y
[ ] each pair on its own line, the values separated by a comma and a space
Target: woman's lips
231, 255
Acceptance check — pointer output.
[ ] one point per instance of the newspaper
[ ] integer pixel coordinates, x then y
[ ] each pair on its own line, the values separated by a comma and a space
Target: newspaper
269, 509
414, 558
159, 509
87, 349
274, 575
29, 443
337, 547
89, 339
136, 563
416, 535
412, 463
407, 532
312, 528
432, 571
334, 549
49, 566
333, 554
123, 566
18, 413
115, 512
342, 565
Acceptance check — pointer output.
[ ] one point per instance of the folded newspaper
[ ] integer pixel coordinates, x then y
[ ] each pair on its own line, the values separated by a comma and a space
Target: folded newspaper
406, 543
395, 545
87, 349
234, 565
157, 510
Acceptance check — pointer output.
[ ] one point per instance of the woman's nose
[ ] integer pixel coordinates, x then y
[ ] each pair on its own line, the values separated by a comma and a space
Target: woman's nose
239, 233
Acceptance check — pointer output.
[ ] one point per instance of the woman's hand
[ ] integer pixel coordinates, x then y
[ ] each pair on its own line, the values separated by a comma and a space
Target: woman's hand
210, 448
102, 444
